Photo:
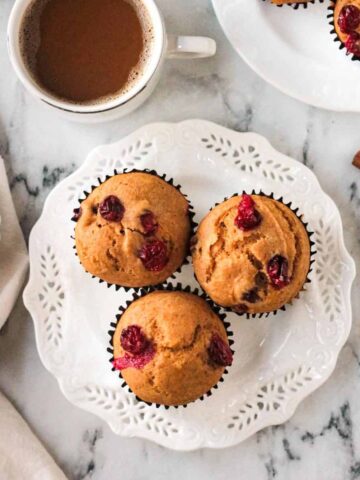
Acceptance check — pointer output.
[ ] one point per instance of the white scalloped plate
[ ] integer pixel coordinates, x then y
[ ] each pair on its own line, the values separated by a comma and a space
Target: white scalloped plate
278, 361
293, 50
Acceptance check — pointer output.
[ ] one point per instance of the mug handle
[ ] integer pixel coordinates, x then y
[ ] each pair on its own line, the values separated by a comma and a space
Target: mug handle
190, 47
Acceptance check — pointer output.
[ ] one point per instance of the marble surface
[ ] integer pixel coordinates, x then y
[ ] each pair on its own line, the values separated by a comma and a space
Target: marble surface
322, 440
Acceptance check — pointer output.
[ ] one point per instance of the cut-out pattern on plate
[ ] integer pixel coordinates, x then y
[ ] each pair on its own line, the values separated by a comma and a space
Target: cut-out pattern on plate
71, 310
129, 410
248, 158
128, 157
51, 297
328, 271
271, 397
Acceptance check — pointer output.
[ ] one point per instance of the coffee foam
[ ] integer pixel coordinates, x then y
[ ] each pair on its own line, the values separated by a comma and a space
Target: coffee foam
29, 41
148, 39
30, 34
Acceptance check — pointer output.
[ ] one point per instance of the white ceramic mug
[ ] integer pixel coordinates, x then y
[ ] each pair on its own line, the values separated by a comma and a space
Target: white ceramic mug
165, 46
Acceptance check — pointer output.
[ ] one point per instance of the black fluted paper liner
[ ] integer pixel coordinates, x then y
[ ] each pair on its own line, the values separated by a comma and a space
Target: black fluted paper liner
312, 253
170, 288
296, 6
336, 39
191, 214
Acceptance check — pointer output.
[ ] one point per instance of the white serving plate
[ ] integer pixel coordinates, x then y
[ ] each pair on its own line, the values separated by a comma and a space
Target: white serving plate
293, 50
279, 360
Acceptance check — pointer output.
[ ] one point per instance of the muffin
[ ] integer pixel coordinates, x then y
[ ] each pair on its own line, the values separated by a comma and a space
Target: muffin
347, 25
170, 347
251, 254
133, 230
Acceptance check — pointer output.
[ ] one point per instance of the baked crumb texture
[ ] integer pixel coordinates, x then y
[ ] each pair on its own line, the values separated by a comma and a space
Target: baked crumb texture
345, 19
180, 325
111, 250
232, 265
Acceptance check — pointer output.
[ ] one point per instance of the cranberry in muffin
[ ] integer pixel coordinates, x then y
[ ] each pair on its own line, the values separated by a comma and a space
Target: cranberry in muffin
170, 347
133, 230
347, 25
251, 254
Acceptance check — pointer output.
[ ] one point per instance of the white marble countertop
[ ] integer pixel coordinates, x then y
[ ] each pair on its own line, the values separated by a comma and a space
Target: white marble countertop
322, 441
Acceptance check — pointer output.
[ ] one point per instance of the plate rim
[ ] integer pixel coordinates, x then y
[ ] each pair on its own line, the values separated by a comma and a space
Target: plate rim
293, 405
282, 88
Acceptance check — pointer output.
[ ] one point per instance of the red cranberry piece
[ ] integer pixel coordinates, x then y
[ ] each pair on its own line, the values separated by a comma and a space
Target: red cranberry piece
135, 361
112, 209
133, 340
278, 271
219, 351
352, 44
76, 214
248, 217
349, 18
148, 222
154, 255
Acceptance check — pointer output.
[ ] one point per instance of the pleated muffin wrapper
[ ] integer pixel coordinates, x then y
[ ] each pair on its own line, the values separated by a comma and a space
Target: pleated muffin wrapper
170, 288
191, 214
312, 254
336, 39
296, 6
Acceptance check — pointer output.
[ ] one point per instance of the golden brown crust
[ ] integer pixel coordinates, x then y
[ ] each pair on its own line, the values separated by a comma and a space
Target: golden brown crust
109, 250
229, 263
180, 325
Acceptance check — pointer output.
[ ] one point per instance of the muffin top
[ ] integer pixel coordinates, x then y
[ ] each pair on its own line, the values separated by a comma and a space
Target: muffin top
133, 230
251, 254
171, 347
347, 24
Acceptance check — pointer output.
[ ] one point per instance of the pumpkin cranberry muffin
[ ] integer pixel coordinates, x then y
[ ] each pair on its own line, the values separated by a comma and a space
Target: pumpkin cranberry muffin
133, 230
170, 347
347, 24
251, 254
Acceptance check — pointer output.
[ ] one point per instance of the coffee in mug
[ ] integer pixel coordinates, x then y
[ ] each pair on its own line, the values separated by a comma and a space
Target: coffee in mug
86, 51
94, 60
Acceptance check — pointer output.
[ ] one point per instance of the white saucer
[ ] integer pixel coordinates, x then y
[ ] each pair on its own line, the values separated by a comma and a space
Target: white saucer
293, 50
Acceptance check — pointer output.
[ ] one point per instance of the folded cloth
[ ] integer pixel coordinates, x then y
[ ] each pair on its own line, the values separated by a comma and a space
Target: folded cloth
22, 457
13, 254
21, 454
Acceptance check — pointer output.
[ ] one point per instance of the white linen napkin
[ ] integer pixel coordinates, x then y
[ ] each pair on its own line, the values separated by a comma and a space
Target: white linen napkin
21, 454
13, 254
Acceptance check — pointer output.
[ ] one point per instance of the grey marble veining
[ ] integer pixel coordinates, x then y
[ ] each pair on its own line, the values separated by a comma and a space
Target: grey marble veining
322, 440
